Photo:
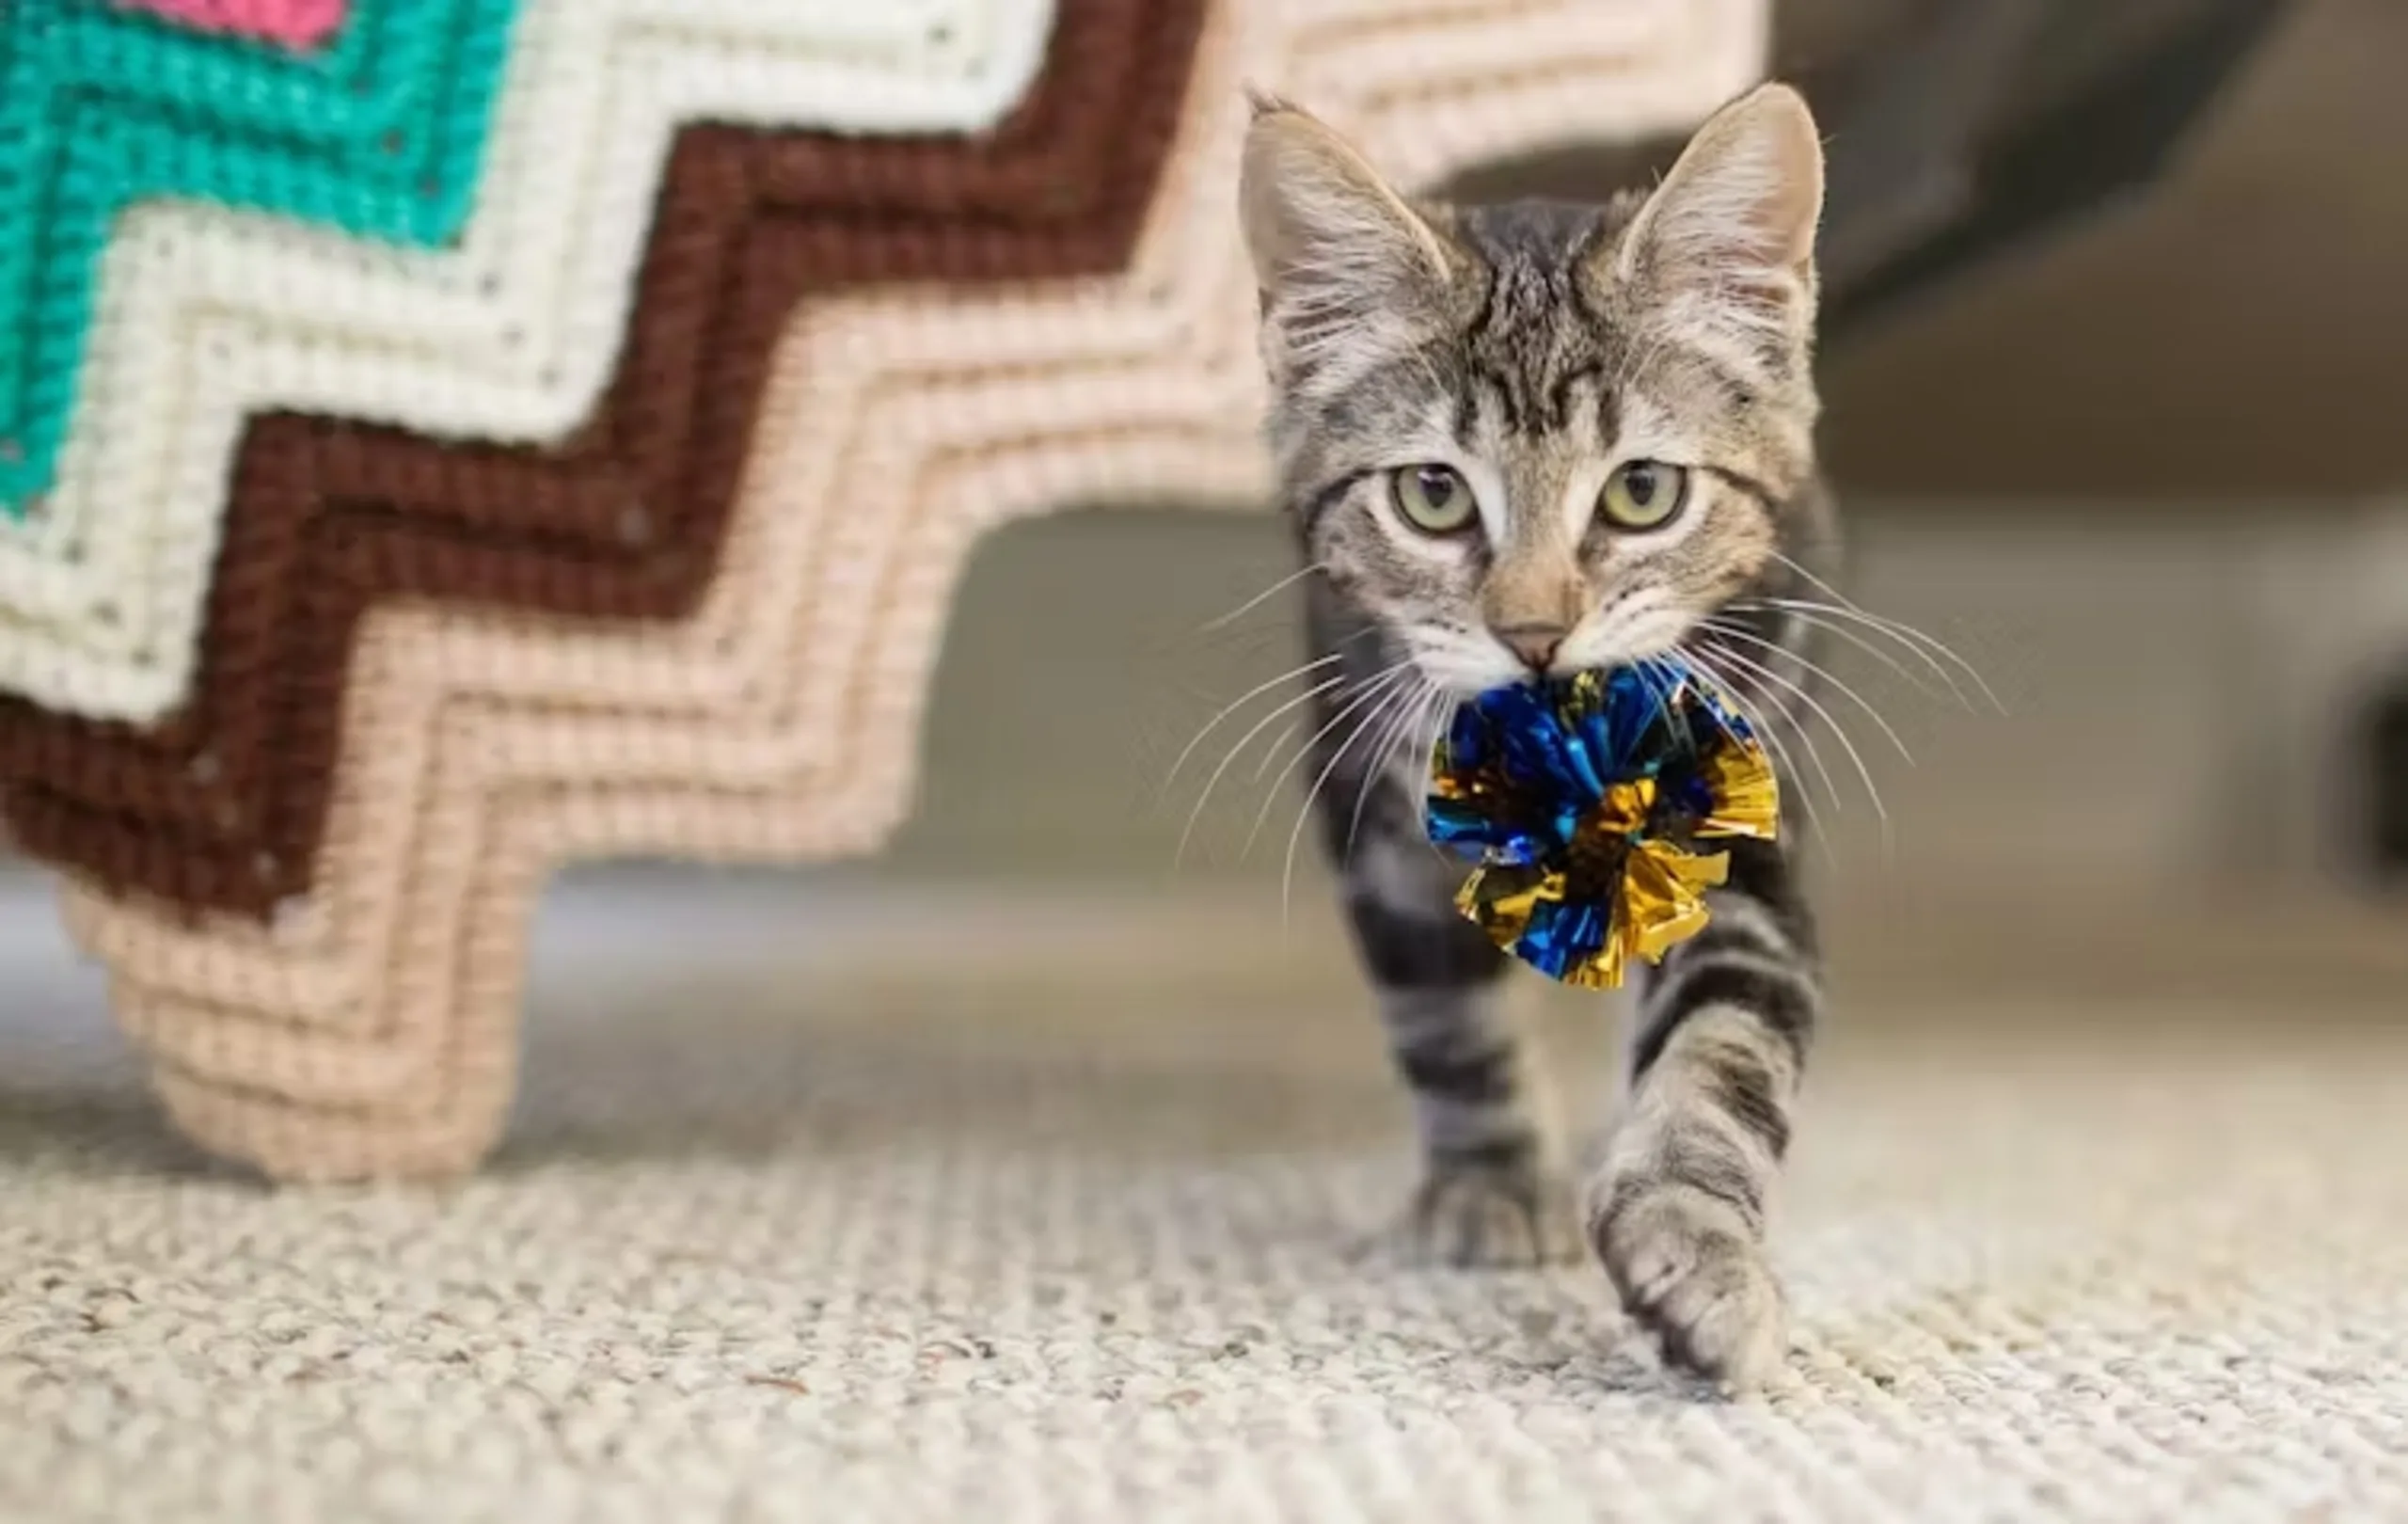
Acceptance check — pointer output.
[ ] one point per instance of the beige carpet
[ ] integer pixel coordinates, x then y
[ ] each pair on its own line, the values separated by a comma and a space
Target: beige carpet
1020, 1237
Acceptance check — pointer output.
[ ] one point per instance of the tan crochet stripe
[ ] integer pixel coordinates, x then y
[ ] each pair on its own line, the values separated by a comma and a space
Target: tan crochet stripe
373, 1033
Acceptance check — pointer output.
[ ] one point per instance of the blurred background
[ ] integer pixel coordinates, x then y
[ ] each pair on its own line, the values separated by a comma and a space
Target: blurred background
2115, 397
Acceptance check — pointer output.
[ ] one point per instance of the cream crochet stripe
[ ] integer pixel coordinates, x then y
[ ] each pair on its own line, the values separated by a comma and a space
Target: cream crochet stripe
372, 1032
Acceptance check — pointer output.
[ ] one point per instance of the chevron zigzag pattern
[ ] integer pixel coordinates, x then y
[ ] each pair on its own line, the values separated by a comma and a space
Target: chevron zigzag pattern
224, 807
367, 1027
207, 316
380, 137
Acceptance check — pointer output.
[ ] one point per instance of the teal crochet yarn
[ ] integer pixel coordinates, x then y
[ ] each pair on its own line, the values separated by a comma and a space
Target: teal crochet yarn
380, 133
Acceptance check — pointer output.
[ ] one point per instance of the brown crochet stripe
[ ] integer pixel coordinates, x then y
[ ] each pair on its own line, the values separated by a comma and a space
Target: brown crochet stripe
222, 806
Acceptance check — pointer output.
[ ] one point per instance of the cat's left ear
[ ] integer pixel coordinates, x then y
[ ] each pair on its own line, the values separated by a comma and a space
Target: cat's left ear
1347, 267
1732, 226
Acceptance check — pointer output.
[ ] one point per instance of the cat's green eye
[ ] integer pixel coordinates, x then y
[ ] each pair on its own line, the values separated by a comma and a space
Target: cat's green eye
1435, 500
1643, 495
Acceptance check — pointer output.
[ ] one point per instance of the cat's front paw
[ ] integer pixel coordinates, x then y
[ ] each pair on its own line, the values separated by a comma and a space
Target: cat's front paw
1470, 1212
1692, 1272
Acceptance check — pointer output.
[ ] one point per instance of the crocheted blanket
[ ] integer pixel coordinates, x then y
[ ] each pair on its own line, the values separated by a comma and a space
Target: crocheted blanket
408, 527
376, 138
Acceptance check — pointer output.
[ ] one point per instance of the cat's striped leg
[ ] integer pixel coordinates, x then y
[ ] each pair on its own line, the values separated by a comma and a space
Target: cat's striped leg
1678, 1208
1487, 1195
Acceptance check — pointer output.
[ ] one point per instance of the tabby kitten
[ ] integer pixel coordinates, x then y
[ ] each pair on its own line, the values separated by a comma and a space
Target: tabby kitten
1533, 438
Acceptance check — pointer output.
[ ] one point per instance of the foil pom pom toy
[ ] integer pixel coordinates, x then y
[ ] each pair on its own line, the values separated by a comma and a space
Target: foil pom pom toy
1591, 804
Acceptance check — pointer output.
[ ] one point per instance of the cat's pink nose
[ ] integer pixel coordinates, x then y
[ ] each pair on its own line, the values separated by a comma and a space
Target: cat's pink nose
1536, 644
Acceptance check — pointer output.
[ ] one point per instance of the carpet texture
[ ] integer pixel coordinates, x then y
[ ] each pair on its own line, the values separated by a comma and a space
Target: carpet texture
780, 1236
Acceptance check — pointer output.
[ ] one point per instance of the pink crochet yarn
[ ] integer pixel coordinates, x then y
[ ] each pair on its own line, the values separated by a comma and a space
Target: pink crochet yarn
293, 24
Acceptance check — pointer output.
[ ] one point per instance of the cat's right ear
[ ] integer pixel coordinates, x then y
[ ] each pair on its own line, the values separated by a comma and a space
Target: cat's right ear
1341, 258
1728, 239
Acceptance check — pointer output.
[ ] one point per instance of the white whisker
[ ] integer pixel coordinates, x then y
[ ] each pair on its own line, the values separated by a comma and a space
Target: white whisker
1905, 673
1402, 696
1278, 744
1260, 726
1663, 683
1872, 790
1384, 755
1733, 632
1755, 715
1443, 708
1233, 707
1371, 688
1824, 616
1260, 598
1898, 628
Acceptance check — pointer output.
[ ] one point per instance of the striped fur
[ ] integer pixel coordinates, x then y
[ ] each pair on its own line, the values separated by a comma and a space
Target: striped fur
1533, 351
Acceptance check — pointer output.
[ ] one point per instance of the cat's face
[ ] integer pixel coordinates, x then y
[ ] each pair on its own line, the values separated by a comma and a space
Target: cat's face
1539, 437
